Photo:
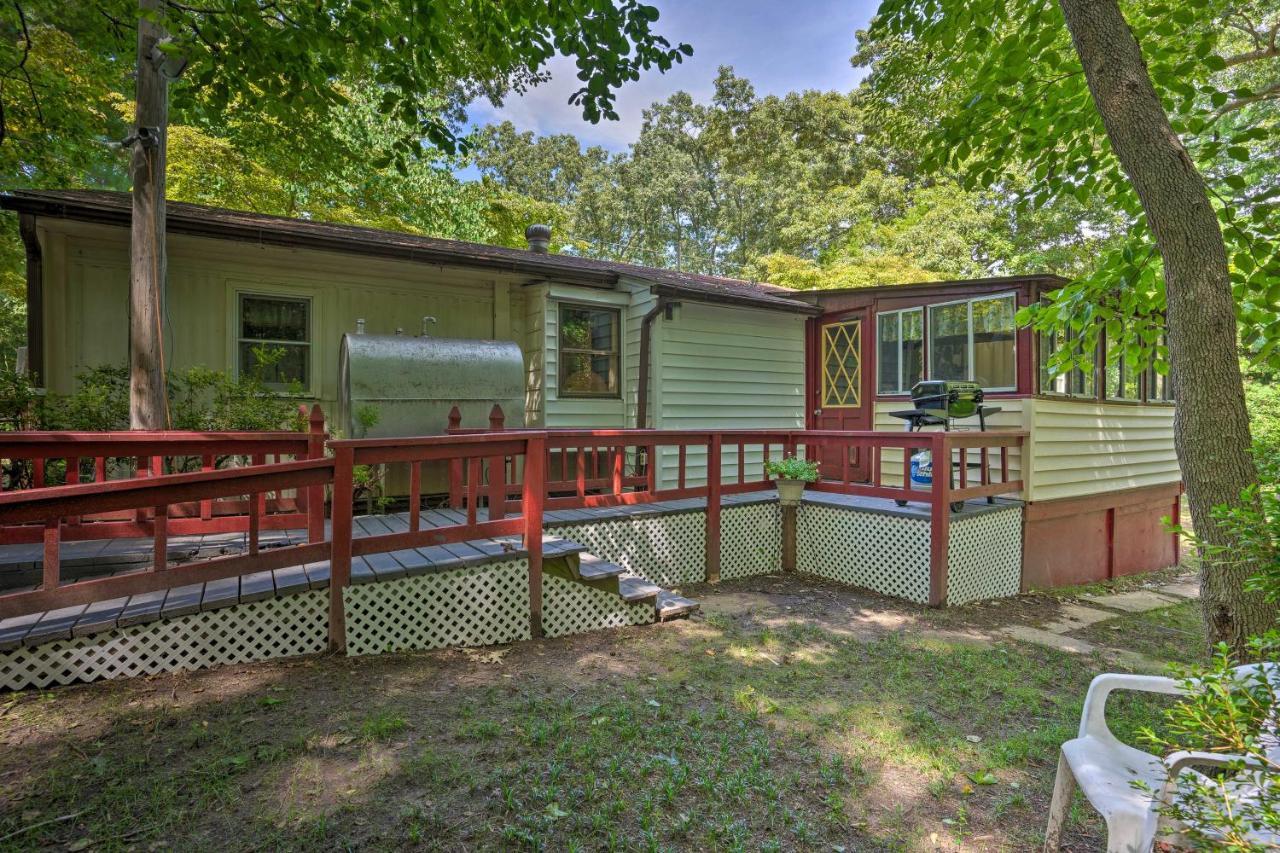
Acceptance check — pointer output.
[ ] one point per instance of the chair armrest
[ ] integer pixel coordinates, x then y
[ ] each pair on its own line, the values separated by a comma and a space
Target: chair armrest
1176, 762
1093, 717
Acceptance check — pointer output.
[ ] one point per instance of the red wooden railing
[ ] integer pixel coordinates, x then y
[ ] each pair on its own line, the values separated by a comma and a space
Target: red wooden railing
592, 468
48, 507
152, 454
505, 470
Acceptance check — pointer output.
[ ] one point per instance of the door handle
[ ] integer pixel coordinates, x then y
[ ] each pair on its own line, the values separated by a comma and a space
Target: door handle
817, 412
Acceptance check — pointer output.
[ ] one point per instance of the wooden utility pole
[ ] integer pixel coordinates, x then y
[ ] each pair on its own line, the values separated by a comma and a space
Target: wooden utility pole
148, 405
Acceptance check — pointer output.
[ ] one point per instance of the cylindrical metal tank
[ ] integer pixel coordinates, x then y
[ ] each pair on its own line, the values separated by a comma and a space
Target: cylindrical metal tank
397, 385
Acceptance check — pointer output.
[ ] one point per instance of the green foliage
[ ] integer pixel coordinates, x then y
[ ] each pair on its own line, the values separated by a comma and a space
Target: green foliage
806, 190
199, 399
1262, 398
18, 399
367, 417
1224, 712
792, 468
988, 88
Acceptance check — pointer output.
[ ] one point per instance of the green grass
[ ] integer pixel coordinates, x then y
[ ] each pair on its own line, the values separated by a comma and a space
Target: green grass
1167, 635
722, 734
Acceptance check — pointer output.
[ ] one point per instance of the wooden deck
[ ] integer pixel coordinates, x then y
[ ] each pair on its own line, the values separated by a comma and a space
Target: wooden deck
94, 558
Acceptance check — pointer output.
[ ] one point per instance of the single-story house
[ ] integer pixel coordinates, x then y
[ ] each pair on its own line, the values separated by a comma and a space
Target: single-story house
612, 345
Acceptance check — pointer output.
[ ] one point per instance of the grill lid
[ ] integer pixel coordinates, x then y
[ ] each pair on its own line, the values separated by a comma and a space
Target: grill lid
947, 398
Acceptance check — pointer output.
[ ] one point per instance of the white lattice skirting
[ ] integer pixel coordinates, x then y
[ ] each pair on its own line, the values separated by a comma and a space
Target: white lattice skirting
262, 630
890, 553
463, 607
750, 540
885, 553
569, 607
668, 549
984, 556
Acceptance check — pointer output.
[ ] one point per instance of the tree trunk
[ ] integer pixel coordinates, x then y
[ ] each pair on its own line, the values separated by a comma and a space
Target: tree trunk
1211, 425
148, 405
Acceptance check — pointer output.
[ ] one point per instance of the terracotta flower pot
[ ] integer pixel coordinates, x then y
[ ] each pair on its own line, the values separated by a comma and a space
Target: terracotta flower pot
790, 492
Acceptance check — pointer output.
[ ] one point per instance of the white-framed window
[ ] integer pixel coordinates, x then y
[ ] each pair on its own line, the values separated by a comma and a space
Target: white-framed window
589, 351
274, 339
900, 350
975, 340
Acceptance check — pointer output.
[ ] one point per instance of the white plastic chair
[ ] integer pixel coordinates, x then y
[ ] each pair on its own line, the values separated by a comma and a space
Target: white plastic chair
1105, 769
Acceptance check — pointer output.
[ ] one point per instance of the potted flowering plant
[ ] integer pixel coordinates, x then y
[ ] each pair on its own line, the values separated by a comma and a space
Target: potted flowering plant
792, 473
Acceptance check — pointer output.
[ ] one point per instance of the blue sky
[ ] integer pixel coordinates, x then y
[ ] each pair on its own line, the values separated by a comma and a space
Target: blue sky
779, 46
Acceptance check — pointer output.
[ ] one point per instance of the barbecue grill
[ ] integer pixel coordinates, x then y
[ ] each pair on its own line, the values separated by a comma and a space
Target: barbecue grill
938, 402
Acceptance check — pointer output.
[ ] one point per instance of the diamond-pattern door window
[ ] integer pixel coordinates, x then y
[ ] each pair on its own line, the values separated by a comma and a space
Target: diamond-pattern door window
842, 364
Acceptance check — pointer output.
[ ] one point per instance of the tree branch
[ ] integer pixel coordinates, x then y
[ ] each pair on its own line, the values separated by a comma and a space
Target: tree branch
1269, 93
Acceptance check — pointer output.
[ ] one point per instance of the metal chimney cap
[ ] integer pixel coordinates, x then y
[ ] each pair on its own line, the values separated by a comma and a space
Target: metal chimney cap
539, 237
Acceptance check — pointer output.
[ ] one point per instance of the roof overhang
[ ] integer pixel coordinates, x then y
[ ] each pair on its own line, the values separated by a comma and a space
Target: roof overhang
689, 294
215, 223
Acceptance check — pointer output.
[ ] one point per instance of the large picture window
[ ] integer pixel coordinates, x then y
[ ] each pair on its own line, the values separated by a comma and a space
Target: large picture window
901, 350
975, 340
274, 339
589, 351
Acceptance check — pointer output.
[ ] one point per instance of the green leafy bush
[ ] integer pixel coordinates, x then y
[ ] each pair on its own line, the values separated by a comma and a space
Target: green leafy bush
792, 468
1262, 398
1224, 712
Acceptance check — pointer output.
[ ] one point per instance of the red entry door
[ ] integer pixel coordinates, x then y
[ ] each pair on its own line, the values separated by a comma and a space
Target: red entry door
841, 401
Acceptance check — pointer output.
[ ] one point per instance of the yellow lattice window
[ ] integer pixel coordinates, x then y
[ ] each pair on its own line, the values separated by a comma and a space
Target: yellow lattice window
842, 365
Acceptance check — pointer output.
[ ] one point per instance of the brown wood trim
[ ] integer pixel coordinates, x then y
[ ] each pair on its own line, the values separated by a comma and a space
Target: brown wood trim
35, 297
1121, 498
1094, 401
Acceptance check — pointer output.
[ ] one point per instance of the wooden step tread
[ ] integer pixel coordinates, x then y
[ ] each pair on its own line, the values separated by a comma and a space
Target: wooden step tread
637, 589
593, 568
670, 605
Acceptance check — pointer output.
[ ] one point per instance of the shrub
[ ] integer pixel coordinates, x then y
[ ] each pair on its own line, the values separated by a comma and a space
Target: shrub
1224, 713
792, 468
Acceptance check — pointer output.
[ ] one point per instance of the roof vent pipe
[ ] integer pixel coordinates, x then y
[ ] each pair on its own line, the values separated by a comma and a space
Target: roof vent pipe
539, 237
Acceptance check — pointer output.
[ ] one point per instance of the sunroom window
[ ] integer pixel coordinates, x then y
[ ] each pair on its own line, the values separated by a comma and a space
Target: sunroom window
274, 340
589, 351
1122, 378
975, 340
901, 350
1075, 382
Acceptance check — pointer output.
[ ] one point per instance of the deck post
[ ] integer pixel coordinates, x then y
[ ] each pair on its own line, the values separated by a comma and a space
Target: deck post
531, 501
939, 517
315, 494
455, 465
497, 497
789, 538
340, 548
713, 508
52, 568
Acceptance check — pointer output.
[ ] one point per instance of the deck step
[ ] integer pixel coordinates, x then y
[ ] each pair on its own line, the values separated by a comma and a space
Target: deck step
670, 605
637, 589
593, 568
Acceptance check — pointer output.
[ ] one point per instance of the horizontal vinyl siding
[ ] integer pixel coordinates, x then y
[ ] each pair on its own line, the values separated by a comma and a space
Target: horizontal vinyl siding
87, 280
720, 367
1011, 416
1086, 448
